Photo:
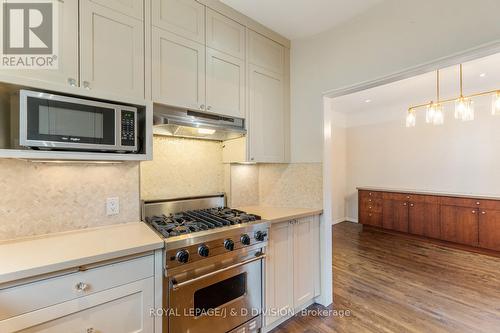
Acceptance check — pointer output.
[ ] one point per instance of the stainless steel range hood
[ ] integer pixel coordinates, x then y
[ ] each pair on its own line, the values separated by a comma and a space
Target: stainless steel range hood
170, 121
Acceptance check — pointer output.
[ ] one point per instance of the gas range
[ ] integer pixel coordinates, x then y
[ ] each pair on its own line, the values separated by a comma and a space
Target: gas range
176, 224
213, 259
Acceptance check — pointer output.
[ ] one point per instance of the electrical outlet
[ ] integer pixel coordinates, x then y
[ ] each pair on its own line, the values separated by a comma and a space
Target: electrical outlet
112, 206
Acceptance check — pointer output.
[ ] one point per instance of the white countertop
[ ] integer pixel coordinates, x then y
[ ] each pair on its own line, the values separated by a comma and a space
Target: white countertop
280, 214
28, 257
429, 192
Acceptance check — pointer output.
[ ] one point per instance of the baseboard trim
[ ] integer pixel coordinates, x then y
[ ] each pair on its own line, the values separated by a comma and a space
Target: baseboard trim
351, 219
338, 220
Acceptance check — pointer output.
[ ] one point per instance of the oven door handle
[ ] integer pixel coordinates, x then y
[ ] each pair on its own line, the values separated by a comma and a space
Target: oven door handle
176, 286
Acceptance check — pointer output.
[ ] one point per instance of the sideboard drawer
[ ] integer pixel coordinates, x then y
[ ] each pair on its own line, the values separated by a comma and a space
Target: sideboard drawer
28, 297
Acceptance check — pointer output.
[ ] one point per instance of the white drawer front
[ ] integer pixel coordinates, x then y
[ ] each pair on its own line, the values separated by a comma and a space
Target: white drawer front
123, 309
36, 295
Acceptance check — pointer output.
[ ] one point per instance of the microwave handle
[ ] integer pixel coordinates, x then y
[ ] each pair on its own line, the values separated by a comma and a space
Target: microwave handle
176, 286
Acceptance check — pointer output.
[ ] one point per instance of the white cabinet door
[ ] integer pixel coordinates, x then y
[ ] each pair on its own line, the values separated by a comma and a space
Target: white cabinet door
67, 71
279, 268
225, 84
224, 34
303, 261
266, 116
178, 71
118, 310
132, 8
183, 17
265, 52
112, 51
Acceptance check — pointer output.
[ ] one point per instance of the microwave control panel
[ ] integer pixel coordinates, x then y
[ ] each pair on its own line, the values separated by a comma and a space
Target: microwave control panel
128, 128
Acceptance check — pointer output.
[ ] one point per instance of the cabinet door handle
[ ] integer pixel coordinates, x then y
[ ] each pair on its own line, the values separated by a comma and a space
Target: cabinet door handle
404, 204
473, 212
483, 212
209, 108
86, 85
411, 205
202, 106
90, 330
81, 287
72, 82
478, 203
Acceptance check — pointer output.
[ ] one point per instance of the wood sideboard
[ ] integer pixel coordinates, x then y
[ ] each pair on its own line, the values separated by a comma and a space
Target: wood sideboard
463, 220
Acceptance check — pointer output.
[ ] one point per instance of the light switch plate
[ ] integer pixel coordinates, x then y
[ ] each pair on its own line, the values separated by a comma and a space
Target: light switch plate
112, 206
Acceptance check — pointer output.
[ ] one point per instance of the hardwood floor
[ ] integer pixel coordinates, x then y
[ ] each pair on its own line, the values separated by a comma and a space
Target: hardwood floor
392, 283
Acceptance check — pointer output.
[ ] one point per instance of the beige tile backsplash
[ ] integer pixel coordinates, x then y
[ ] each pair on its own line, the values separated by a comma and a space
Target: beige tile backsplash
40, 198
297, 185
182, 167
282, 185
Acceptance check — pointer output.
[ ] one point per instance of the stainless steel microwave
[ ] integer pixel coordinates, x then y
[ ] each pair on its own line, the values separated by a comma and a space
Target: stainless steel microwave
48, 121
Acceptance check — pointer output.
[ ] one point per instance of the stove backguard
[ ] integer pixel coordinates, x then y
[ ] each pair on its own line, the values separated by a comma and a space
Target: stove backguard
172, 206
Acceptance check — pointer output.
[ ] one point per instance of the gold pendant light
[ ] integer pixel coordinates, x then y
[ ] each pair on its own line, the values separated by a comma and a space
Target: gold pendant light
495, 104
411, 118
464, 107
434, 113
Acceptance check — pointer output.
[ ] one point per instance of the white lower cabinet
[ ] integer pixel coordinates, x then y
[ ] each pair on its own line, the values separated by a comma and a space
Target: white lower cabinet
292, 268
105, 300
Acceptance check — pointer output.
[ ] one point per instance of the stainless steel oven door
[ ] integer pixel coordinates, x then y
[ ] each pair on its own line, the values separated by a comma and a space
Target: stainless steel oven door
217, 300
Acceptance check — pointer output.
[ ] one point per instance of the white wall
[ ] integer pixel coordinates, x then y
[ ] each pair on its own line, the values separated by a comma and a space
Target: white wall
388, 38
457, 157
339, 167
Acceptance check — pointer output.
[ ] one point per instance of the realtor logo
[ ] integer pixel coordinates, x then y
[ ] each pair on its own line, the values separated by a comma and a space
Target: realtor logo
29, 34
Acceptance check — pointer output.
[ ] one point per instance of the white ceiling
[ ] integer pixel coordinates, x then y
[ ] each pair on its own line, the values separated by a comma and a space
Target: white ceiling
422, 89
300, 18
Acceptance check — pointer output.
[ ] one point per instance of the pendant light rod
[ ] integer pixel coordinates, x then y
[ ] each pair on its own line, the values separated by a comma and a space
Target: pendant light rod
461, 82
437, 86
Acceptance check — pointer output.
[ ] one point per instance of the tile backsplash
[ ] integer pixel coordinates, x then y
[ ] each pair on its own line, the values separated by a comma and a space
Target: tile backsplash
281, 185
40, 198
182, 168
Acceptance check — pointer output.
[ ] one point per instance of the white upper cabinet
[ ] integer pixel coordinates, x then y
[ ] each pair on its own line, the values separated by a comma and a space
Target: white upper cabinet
132, 8
224, 34
183, 17
266, 53
225, 89
178, 71
266, 116
67, 71
112, 50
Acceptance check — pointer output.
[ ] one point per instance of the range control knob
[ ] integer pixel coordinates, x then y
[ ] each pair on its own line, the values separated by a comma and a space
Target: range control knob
182, 256
229, 244
260, 236
245, 239
203, 251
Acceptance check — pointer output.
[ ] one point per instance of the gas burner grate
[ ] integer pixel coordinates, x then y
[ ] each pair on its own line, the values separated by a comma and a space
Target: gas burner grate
199, 220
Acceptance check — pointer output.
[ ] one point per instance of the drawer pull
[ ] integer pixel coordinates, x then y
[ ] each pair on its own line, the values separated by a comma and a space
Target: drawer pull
478, 203
483, 212
404, 204
370, 207
369, 200
473, 212
411, 205
81, 287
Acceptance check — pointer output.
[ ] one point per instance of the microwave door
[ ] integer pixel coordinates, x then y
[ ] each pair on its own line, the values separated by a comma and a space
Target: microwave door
59, 124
